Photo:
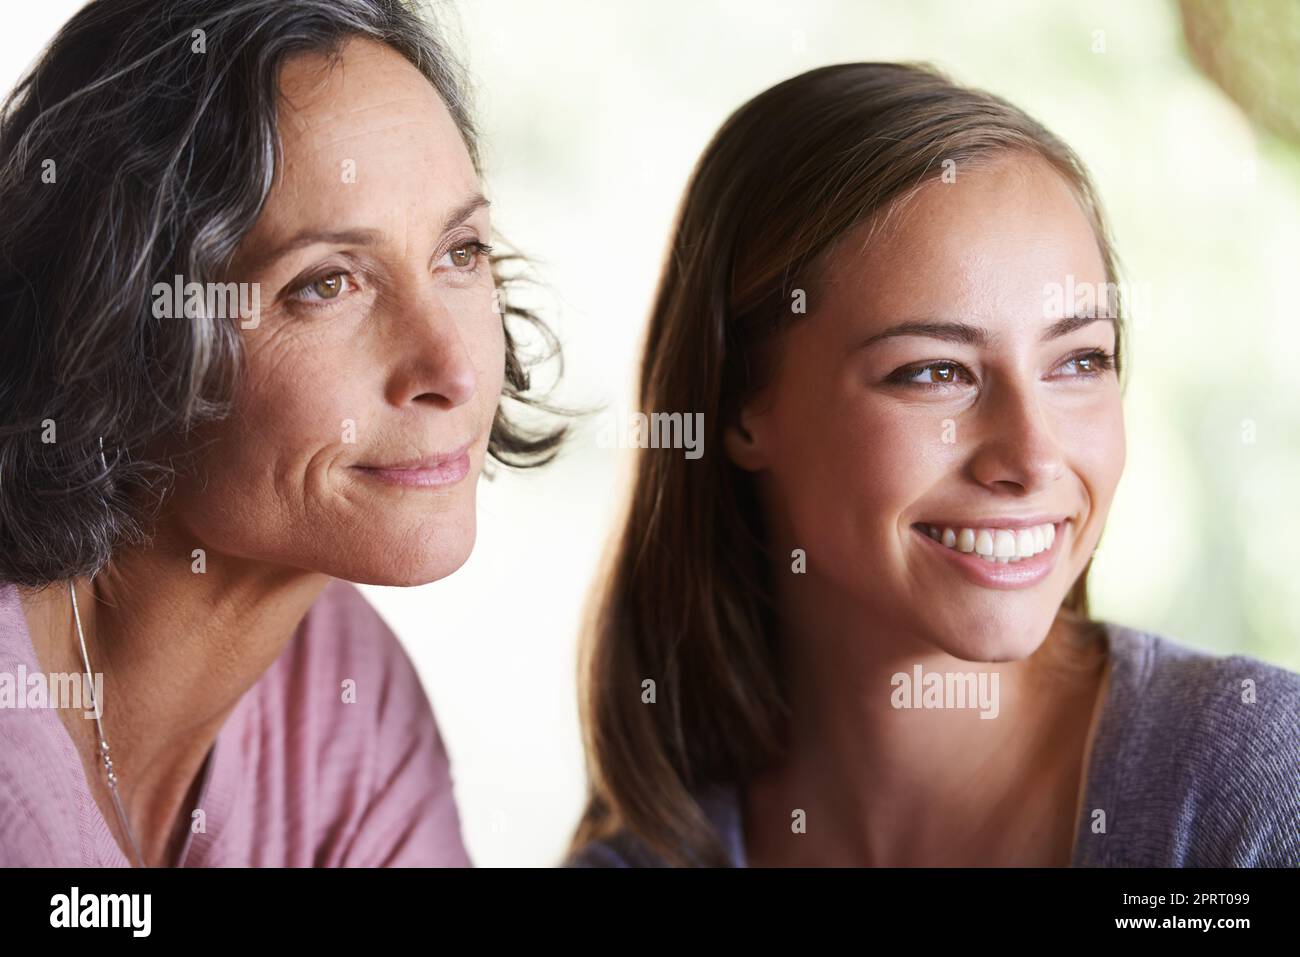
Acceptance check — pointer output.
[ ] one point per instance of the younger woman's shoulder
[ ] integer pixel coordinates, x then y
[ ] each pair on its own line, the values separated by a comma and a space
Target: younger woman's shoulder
1234, 694
1210, 741
615, 851
720, 804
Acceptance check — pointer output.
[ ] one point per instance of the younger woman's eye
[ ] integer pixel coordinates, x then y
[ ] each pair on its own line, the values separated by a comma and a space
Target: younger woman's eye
937, 375
1090, 364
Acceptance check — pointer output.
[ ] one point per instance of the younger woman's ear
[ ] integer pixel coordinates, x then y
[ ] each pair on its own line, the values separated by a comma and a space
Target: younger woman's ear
743, 444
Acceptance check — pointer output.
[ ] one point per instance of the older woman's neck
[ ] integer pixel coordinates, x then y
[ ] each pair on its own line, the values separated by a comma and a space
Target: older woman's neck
179, 639
199, 635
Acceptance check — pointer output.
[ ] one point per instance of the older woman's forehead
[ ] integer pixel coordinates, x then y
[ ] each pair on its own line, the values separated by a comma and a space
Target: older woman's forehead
366, 141
362, 73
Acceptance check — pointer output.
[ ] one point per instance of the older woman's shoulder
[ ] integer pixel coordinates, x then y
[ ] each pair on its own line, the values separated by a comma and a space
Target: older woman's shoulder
344, 652
347, 698
344, 625
1211, 742
342, 605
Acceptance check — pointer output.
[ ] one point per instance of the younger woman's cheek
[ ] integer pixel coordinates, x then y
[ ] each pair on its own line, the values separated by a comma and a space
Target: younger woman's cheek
1097, 444
869, 469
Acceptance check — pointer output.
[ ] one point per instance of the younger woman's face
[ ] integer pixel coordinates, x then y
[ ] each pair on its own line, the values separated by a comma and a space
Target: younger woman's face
938, 381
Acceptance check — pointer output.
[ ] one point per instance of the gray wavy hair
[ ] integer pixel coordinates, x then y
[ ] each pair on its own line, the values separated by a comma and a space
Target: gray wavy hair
161, 161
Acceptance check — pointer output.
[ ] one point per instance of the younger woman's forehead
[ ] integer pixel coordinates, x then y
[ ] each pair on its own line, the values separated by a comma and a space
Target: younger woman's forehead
998, 237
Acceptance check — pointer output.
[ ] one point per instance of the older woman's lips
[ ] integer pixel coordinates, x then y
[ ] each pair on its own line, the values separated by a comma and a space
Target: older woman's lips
430, 472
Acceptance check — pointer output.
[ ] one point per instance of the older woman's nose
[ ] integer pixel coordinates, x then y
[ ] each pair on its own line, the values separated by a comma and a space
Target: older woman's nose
1018, 449
431, 359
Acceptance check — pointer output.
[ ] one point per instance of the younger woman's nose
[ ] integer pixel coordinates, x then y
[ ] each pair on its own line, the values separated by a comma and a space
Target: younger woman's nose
1017, 448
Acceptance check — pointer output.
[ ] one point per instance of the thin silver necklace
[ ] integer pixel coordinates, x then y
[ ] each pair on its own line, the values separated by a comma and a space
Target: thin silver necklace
103, 741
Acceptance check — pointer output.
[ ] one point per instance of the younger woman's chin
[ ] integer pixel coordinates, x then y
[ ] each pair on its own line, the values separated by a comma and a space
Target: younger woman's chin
993, 644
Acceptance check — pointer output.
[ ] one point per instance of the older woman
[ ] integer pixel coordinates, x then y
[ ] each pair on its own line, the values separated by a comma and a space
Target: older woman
252, 348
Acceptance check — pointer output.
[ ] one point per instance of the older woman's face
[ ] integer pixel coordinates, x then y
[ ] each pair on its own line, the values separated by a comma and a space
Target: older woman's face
988, 415
376, 367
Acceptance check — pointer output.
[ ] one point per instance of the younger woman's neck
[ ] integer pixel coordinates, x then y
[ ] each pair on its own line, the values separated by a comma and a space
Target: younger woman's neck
885, 779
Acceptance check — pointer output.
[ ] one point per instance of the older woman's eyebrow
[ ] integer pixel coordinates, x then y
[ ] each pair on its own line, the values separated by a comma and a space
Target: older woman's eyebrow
309, 237
472, 203
367, 237
970, 335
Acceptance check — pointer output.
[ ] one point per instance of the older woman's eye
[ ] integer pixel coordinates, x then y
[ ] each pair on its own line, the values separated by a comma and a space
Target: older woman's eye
465, 256
324, 288
937, 374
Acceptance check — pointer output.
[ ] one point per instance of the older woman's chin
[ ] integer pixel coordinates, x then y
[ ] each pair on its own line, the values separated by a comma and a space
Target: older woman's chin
401, 560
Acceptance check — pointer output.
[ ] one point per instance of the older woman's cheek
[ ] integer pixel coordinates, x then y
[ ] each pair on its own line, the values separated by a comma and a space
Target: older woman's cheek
486, 341
494, 354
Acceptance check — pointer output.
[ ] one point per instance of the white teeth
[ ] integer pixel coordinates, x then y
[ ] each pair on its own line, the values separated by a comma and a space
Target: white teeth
1004, 543
1000, 545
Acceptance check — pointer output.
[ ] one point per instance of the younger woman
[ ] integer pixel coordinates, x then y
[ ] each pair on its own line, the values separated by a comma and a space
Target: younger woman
856, 631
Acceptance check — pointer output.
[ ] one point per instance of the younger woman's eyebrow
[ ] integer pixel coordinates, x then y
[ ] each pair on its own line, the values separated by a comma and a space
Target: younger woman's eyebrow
970, 335
959, 332
1063, 327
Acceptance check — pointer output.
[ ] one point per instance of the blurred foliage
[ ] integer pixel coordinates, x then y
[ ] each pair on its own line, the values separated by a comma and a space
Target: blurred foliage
1252, 51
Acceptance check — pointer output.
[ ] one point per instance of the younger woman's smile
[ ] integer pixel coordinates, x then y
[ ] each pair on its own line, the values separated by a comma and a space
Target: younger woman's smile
1008, 555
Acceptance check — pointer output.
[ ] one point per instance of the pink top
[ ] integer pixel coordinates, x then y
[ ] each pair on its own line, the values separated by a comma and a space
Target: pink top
296, 777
